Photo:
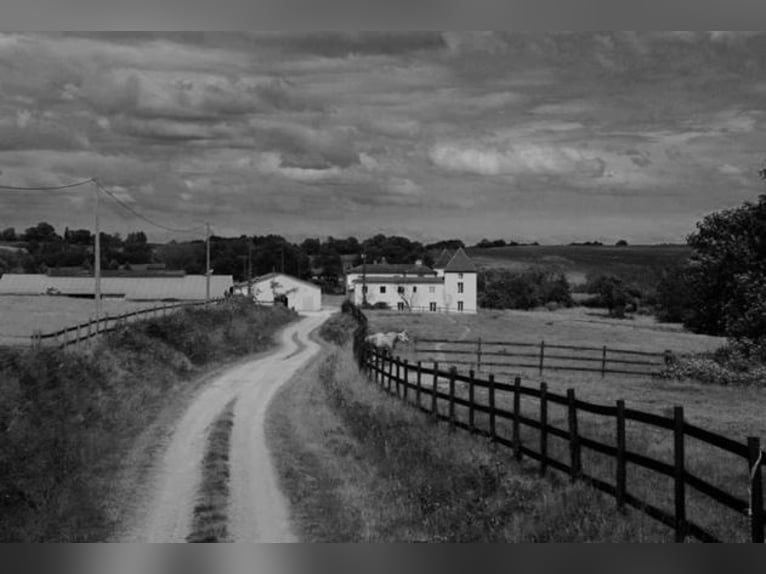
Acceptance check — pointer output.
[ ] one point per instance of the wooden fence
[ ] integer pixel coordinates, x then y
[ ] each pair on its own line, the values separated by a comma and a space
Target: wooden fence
68, 336
506, 357
420, 386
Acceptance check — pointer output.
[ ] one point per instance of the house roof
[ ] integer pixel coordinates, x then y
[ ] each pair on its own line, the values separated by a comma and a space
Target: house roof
399, 280
274, 275
460, 263
443, 258
392, 269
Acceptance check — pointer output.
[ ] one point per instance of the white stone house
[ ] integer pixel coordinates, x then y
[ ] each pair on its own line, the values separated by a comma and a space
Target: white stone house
448, 287
281, 287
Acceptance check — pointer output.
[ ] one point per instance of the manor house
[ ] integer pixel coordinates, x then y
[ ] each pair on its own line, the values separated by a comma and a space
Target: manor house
448, 287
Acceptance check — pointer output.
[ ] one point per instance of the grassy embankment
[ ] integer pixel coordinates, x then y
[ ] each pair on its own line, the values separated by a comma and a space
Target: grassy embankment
735, 412
358, 465
70, 421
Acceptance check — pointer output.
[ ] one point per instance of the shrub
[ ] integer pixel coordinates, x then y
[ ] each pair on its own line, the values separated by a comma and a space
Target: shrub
338, 329
504, 289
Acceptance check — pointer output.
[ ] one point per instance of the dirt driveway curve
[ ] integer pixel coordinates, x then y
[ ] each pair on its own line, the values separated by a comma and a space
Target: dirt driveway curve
257, 508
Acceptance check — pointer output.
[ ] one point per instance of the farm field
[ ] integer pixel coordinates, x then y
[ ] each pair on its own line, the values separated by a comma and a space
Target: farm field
20, 316
733, 411
577, 261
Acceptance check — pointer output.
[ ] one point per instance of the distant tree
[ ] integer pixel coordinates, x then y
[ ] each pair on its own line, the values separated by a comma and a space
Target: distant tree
41, 233
621, 243
311, 246
612, 292
506, 289
136, 248
450, 244
486, 243
8, 234
78, 237
672, 301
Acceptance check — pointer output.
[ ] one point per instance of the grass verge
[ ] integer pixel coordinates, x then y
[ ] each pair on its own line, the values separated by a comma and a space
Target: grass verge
358, 465
209, 522
69, 422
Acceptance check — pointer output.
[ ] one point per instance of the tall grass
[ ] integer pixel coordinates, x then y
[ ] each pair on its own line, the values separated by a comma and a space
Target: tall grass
68, 419
390, 473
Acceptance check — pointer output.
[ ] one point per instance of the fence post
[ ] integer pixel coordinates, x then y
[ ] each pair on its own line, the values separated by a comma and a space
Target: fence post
621, 466
574, 438
516, 419
603, 362
471, 424
680, 485
390, 370
434, 406
417, 389
542, 355
492, 407
478, 355
543, 428
398, 377
406, 379
452, 373
376, 375
756, 488
90, 327
78, 334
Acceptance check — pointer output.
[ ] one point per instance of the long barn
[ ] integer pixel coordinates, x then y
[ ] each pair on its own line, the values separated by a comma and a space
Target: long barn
167, 287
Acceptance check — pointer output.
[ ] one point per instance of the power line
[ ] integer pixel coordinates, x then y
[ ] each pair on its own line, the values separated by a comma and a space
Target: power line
51, 188
143, 217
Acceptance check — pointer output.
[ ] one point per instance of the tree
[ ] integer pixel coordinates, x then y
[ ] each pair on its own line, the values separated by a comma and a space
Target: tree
41, 233
621, 243
725, 276
612, 292
8, 234
136, 248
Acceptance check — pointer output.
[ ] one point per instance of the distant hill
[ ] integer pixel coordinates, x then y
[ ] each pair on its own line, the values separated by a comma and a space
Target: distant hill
577, 261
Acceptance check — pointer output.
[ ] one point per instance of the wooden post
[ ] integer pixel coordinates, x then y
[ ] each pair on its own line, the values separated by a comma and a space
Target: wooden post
90, 327
478, 355
492, 407
434, 406
603, 362
516, 420
417, 389
471, 400
406, 379
621, 465
378, 377
574, 437
398, 377
756, 489
78, 333
452, 373
680, 484
390, 370
542, 355
543, 428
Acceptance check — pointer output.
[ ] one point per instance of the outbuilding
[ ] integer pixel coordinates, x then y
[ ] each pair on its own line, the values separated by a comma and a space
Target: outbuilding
281, 288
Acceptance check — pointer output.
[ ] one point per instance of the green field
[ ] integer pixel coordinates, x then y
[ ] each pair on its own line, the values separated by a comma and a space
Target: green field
20, 315
577, 261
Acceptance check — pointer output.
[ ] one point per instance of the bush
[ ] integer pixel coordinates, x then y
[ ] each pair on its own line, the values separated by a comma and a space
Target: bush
338, 329
537, 286
736, 363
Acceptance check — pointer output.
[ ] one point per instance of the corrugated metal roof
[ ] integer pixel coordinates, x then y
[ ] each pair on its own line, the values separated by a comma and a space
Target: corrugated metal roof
190, 287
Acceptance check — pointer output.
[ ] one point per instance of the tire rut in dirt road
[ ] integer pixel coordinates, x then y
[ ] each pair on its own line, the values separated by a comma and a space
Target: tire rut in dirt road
257, 510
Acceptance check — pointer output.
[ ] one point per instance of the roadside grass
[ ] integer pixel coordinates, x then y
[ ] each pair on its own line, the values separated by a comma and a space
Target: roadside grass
210, 519
69, 420
358, 465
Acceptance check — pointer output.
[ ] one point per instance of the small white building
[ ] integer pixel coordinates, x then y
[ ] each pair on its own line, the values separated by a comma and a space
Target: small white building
448, 287
279, 287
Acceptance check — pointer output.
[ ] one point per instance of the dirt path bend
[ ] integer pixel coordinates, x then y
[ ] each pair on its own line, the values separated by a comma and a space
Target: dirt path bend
257, 508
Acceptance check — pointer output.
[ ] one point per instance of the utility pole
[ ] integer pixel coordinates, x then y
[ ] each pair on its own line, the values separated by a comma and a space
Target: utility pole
364, 280
97, 256
207, 262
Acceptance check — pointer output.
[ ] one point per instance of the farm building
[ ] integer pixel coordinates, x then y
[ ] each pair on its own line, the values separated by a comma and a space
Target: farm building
141, 286
448, 287
282, 288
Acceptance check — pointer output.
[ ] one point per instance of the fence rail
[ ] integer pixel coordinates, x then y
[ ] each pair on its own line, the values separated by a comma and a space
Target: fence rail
423, 387
480, 354
82, 332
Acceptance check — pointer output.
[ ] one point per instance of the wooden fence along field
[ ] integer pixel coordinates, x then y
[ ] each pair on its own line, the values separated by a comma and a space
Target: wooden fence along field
440, 392
507, 357
82, 332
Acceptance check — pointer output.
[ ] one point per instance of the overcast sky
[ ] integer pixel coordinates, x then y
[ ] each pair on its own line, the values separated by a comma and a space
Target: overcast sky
554, 137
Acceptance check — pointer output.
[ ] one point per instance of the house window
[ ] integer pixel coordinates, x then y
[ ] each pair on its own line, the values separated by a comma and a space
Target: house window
382, 288
432, 289
459, 305
432, 306
365, 289
460, 287
400, 289
459, 275
414, 288
400, 306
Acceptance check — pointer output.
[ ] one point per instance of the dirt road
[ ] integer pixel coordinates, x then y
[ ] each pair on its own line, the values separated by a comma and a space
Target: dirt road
257, 511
